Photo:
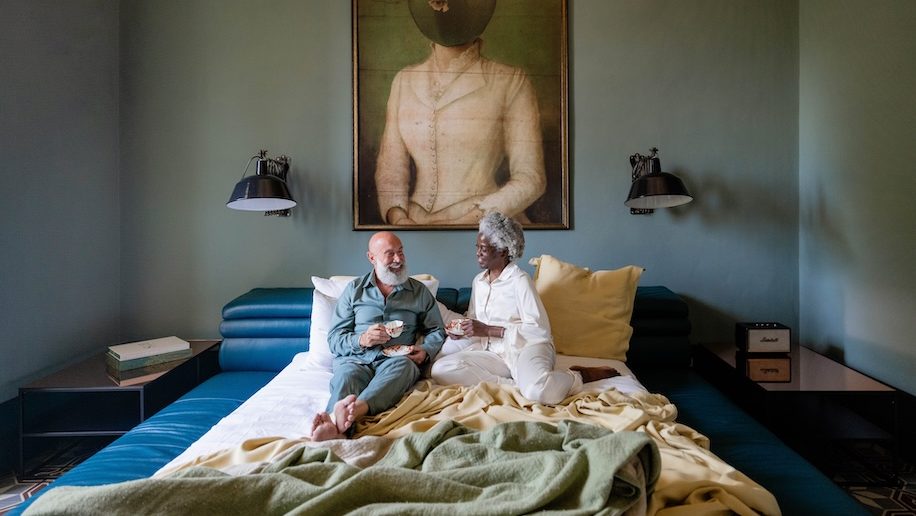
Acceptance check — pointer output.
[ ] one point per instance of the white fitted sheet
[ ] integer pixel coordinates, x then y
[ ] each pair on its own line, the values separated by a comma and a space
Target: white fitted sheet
286, 406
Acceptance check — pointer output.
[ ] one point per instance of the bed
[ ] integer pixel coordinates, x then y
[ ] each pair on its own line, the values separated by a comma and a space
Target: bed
249, 422
270, 425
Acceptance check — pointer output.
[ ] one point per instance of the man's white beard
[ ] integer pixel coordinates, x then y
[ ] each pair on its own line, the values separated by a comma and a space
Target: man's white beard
390, 277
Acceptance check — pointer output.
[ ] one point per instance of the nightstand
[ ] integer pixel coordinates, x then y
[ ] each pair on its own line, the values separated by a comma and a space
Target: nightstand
823, 401
83, 401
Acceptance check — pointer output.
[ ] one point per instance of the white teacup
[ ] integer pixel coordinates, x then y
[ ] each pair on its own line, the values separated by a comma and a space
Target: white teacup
394, 328
454, 327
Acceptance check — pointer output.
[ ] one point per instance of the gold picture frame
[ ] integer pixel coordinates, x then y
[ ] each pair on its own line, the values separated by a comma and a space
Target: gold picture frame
450, 122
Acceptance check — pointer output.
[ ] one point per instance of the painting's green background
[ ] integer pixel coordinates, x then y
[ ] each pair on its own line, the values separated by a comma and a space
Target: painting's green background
526, 33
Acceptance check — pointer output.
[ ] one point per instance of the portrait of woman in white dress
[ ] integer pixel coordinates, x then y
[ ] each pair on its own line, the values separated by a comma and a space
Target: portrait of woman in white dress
461, 129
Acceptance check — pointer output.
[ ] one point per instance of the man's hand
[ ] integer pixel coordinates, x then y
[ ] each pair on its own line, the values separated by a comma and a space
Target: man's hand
417, 355
375, 335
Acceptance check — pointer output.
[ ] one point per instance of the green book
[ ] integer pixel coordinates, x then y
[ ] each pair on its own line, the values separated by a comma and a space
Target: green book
150, 371
114, 364
135, 381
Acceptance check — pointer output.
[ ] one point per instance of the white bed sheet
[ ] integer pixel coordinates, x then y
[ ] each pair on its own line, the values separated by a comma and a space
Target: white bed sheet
286, 406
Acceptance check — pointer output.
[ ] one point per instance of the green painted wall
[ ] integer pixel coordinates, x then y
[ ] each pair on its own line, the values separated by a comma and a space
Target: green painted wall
160, 119
857, 148
713, 84
59, 203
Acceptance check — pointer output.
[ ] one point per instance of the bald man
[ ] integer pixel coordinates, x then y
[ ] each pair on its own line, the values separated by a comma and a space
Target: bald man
366, 380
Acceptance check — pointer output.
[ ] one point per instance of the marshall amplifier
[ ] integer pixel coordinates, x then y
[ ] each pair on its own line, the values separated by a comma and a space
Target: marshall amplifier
766, 367
763, 337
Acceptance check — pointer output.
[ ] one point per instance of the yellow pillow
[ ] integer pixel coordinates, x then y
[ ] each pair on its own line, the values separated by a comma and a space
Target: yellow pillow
589, 311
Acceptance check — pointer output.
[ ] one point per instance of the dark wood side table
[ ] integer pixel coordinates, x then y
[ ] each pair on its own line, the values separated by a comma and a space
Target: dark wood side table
823, 401
83, 401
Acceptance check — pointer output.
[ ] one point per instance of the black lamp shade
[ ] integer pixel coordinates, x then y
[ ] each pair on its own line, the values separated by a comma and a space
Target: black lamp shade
261, 193
657, 190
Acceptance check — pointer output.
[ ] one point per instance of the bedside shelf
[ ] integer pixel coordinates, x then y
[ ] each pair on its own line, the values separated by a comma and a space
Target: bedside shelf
82, 401
824, 400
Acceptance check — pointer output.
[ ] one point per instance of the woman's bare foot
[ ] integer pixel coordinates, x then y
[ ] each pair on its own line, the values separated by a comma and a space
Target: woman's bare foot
323, 428
345, 413
593, 374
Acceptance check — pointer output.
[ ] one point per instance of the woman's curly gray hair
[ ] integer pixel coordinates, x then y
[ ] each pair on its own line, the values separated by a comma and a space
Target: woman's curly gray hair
503, 233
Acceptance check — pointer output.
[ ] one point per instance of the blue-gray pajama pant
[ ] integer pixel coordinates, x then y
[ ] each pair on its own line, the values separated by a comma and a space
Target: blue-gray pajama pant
380, 383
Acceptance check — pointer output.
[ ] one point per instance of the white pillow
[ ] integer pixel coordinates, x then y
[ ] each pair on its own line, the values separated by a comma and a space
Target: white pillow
324, 301
335, 285
430, 281
331, 287
322, 309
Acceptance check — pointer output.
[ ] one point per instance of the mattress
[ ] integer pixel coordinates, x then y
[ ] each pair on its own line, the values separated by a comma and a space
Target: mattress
286, 406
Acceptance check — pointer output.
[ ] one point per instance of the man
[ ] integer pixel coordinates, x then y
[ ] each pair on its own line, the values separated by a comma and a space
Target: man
366, 379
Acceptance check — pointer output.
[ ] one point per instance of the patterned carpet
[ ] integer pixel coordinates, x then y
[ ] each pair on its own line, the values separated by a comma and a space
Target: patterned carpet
46, 467
876, 478
885, 486
13, 492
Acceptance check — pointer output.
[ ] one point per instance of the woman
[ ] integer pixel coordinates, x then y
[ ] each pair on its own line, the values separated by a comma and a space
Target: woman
456, 104
508, 326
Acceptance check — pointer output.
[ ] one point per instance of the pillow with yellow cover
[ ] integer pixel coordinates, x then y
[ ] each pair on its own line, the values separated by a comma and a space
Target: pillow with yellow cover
589, 311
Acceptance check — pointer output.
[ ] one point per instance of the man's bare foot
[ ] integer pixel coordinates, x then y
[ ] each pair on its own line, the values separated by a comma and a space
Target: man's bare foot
593, 374
323, 428
345, 413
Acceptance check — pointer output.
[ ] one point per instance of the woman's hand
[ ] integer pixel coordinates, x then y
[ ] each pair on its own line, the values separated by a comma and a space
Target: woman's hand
468, 326
475, 328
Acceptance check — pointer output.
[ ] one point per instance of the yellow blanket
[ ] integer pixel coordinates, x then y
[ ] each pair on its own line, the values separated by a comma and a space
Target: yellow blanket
693, 479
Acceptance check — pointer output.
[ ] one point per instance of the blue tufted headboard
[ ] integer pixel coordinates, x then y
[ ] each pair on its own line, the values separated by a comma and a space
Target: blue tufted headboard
265, 327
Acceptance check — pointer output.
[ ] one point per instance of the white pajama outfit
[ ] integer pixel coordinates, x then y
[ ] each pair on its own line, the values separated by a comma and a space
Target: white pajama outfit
524, 355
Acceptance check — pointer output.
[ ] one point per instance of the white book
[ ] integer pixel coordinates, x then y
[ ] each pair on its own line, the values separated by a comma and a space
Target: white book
148, 348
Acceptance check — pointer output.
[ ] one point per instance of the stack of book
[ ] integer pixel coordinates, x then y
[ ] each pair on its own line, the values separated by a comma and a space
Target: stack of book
139, 362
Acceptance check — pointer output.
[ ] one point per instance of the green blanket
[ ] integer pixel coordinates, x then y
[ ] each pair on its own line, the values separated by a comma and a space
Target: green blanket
513, 468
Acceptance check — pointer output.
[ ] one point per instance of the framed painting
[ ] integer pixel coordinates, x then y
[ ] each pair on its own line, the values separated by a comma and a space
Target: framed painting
459, 108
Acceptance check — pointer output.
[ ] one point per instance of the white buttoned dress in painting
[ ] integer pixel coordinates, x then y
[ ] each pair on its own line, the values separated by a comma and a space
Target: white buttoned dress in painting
458, 125
524, 355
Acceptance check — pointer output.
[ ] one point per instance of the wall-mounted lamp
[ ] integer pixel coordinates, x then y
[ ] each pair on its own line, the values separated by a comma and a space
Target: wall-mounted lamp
266, 190
652, 188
